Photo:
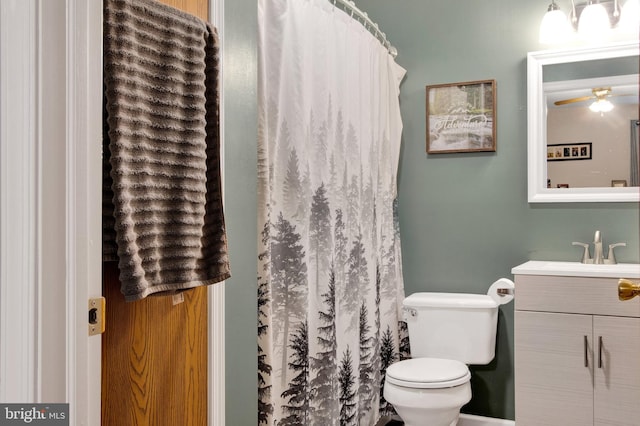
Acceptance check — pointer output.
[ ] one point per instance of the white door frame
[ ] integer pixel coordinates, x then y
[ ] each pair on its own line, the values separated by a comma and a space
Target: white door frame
216, 326
25, 288
83, 190
45, 283
43, 313
18, 197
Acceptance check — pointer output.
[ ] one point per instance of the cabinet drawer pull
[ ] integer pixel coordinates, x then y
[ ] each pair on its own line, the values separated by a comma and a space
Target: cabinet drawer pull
599, 351
586, 352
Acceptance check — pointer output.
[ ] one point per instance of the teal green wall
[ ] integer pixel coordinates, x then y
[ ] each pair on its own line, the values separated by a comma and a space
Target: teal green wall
240, 156
464, 218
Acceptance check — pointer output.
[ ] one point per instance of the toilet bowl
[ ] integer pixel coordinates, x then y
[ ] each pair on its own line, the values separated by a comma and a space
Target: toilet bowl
428, 391
447, 332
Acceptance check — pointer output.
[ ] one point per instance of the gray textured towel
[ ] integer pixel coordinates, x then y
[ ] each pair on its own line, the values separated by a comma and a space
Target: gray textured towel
163, 156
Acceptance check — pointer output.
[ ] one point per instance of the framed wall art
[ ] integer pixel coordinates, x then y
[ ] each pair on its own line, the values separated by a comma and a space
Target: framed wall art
461, 117
569, 151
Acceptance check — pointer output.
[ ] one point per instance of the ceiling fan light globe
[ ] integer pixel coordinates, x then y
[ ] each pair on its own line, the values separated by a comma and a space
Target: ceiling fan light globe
601, 105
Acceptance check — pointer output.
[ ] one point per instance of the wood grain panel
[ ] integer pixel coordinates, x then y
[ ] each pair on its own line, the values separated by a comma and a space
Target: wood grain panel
617, 379
154, 356
198, 8
579, 295
553, 385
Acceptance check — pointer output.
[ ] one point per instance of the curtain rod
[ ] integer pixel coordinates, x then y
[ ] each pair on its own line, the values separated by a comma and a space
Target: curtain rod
367, 23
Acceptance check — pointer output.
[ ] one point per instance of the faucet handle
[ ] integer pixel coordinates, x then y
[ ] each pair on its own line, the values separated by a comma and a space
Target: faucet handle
586, 255
611, 258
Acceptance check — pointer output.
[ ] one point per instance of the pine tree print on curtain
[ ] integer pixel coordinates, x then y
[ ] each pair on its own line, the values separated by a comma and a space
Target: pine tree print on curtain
265, 408
347, 392
297, 408
325, 363
329, 265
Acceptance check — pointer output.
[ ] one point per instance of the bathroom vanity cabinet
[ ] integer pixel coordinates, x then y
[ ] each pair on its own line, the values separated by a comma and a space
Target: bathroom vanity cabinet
577, 347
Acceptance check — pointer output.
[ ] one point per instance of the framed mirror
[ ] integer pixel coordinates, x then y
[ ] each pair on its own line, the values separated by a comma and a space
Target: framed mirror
583, 124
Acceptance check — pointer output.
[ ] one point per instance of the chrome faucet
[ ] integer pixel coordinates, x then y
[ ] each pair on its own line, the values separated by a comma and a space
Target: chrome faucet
598, 255
597, 249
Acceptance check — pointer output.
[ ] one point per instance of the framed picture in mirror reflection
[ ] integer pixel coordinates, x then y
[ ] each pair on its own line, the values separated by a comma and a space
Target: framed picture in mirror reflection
569, 151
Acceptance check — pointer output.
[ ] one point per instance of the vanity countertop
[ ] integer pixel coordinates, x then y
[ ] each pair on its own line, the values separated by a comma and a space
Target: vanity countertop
577, 269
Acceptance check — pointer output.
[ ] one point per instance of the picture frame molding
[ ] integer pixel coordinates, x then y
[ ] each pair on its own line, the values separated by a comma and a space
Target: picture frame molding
435, 119
565, 151
618, 183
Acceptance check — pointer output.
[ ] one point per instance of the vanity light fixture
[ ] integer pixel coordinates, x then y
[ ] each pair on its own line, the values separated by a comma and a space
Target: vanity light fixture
555, 27
630, 17
592, 21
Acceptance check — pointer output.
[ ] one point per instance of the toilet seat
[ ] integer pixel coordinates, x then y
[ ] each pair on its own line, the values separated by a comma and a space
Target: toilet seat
428, 373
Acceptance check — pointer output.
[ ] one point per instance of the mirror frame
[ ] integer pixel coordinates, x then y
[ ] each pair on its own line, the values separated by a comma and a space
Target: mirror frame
537, 126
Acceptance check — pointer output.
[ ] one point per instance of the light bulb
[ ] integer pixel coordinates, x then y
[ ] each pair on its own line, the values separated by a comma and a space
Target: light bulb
594, 22
630, 17
601, 105
555, 27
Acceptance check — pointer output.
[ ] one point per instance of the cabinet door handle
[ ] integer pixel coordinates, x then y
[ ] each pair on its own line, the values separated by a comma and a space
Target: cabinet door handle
628, 289
586, 351
599, 351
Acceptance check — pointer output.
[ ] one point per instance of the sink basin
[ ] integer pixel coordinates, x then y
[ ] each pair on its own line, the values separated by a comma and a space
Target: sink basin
577, 269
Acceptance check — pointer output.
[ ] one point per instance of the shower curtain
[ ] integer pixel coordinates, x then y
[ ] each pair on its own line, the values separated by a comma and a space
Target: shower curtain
329, 267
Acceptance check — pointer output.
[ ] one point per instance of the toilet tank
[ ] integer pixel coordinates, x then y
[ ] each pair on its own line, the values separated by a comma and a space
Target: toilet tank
452, 325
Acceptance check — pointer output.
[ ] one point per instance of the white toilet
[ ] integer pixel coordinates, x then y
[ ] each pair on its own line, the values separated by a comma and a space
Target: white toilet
447, 331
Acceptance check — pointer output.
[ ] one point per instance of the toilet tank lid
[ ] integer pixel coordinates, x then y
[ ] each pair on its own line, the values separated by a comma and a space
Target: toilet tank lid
450, 300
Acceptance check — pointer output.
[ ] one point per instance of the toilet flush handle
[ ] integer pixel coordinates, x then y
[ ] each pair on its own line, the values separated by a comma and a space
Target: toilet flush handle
411, 311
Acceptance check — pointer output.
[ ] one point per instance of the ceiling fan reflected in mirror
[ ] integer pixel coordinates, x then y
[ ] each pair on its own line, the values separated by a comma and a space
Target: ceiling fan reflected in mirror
601, 103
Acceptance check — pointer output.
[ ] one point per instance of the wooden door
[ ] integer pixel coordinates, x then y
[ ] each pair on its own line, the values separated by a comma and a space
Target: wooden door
617, 377
154, 353
553, 379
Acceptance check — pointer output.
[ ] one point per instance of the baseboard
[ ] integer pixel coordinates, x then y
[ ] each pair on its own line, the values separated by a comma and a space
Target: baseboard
465, 420
471, 420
